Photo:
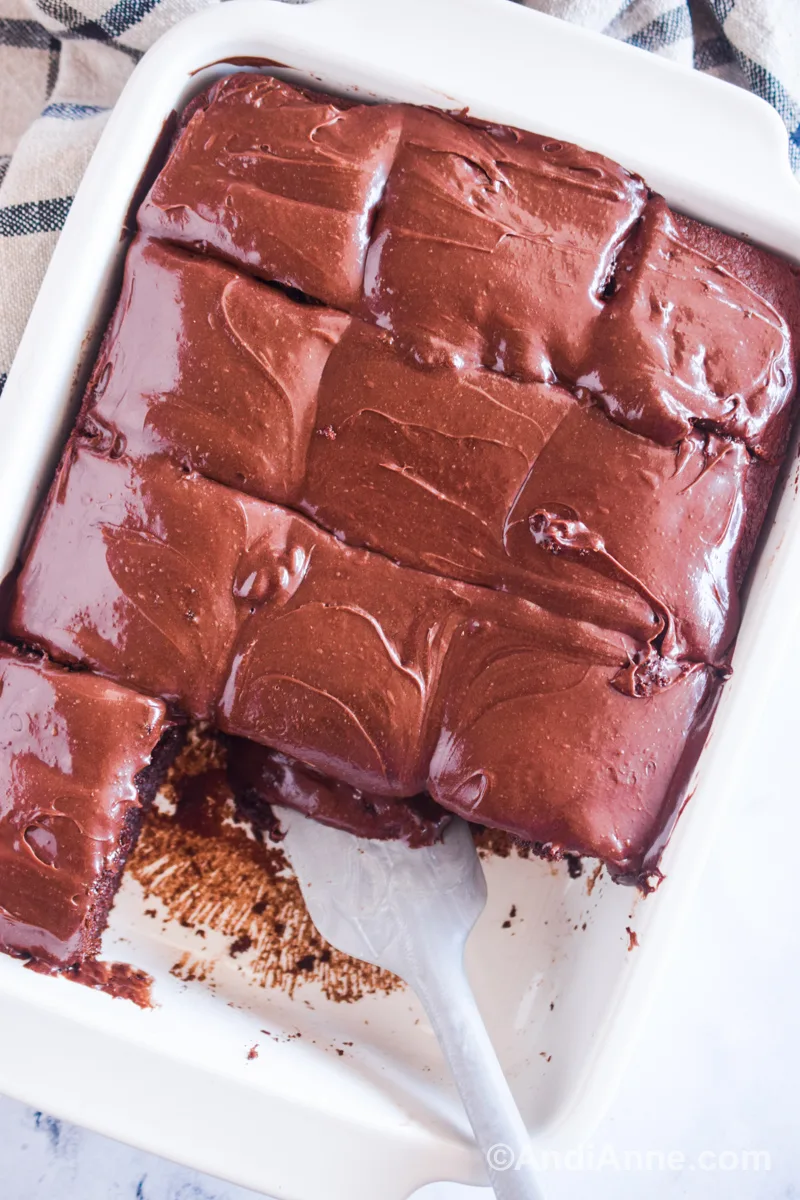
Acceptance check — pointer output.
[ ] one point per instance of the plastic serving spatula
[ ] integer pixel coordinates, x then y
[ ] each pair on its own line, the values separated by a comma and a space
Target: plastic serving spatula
411, 911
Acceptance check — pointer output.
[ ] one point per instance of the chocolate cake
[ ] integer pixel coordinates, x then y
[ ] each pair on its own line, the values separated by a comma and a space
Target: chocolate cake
284, 182
80, 759
329, 415
422, 456
260, 778
134, 572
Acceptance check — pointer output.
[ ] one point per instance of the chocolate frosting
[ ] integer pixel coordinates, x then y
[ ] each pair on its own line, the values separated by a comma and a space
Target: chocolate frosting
526, 453
71, 748
214, 369
445, 471
494, 246
700, 325
259, 776
479, 244
464, 474
133, 572
550, 746
336, 656
279, 181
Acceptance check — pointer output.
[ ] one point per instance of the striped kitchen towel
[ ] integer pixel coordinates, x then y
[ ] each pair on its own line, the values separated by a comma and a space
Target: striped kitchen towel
62, 66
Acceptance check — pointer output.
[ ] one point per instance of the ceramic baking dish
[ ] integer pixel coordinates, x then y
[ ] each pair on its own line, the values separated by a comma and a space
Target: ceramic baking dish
560, 989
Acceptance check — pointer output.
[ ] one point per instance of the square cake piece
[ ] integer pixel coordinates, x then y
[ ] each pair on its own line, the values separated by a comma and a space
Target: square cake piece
338, 661
133, 571
79, 760
521, 487
211, 368
493, 246
699, 329
279, 180
543, 736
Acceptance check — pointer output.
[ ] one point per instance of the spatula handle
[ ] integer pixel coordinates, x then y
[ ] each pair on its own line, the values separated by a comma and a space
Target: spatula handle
496, 1122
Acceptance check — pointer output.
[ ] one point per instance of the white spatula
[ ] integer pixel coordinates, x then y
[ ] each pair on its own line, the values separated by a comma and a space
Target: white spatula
411, 911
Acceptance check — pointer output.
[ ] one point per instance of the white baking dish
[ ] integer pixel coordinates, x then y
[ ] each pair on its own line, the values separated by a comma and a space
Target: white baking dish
561, 991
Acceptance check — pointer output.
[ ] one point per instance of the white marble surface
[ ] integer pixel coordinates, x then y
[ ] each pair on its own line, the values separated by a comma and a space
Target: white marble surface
716, 1072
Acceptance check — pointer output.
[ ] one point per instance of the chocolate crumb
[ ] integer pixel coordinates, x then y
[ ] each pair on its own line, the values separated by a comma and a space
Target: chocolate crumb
593, 878
119, 980
574, 865
242, 943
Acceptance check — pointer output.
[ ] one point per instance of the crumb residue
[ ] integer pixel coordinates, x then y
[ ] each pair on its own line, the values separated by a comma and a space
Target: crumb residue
593, 878
211, 871
574, 865
120, 980
498, 842
190, 969
633, 939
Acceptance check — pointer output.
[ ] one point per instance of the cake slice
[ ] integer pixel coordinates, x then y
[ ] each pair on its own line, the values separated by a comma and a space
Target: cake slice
279, 180
492, 246
260, 777
133, 572
212, 369
699, 328
80, 760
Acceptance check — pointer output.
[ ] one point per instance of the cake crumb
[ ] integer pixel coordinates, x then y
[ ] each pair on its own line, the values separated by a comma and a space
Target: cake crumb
593, 878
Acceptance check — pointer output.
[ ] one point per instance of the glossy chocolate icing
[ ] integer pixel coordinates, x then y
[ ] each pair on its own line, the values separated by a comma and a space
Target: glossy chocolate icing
479, 244
297, 403
133, 572
548, 746
281, 182
260, 776
493, 246
533, 436
71, 748
466, 474
356, 666
700, 327
213, 368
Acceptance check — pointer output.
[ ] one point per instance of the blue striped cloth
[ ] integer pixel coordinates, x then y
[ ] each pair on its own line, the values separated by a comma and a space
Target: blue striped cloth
63, 64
